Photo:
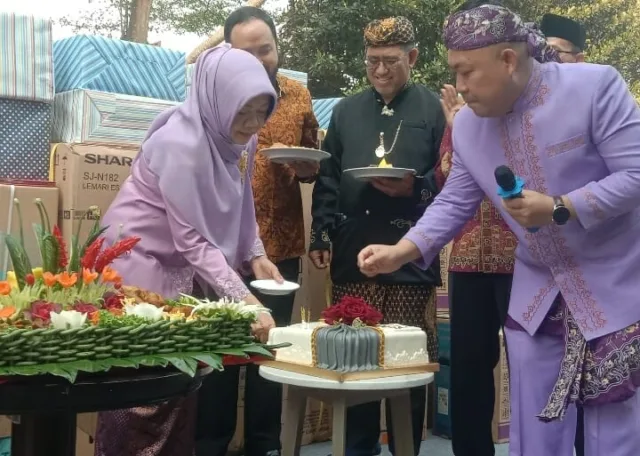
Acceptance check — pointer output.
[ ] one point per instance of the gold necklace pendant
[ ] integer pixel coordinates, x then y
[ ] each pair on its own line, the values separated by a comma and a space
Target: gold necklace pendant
242, 165
380, 150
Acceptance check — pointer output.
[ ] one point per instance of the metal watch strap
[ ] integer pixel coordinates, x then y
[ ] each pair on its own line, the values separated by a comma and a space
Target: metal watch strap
557, 202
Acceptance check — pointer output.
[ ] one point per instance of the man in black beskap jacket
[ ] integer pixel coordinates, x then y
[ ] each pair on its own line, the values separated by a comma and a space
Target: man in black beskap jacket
399, 123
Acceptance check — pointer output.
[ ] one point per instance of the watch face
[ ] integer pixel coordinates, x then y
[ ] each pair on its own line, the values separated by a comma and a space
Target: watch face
561, 215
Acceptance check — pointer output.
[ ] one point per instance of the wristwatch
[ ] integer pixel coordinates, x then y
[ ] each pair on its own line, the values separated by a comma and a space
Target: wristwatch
560, 214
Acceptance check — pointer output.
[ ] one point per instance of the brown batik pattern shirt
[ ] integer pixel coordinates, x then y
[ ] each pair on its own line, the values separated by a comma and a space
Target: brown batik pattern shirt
485, 243
276, 188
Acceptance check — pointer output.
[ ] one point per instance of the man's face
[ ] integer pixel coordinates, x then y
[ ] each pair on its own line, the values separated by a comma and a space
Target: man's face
256, 38
566, 50
388, 68
482, 77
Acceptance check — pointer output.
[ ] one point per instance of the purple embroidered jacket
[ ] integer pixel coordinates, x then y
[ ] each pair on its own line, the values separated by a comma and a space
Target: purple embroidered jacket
575, 131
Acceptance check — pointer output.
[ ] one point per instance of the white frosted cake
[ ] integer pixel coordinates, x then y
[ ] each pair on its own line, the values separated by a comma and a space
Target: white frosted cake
347, 348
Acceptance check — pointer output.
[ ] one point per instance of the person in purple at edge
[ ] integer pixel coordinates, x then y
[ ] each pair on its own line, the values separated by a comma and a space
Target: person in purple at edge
189, 198
573, 332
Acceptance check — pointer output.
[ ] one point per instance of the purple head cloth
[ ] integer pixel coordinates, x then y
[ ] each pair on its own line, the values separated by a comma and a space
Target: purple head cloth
189, 149
487, 25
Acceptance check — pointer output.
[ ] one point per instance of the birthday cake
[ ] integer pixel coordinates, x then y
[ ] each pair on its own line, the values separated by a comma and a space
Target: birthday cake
351, 339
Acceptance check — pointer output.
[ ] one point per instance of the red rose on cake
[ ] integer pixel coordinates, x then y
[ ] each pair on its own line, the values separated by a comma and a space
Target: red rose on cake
350, 309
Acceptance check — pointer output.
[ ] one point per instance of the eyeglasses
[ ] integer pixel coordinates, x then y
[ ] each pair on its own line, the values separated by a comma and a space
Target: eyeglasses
388, 63
562, 51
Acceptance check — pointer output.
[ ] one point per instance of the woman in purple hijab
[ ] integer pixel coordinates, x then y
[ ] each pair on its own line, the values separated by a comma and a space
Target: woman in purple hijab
189, 198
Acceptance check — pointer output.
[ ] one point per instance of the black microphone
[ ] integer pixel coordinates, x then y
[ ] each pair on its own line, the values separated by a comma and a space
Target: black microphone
509, 185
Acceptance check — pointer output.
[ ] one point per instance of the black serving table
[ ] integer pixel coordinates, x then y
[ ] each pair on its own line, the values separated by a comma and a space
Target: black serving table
48, 405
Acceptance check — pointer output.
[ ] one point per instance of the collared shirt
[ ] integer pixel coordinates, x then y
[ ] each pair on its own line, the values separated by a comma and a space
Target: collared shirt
276, 189
485, 243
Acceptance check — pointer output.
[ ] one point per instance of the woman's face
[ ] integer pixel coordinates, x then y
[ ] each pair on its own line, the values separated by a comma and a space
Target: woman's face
250, 119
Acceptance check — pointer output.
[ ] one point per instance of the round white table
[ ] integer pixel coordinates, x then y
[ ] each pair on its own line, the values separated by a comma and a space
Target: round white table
342, 395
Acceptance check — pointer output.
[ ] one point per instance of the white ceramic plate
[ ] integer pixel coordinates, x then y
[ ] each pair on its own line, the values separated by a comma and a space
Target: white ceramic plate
293, 154
374, 171
271, 287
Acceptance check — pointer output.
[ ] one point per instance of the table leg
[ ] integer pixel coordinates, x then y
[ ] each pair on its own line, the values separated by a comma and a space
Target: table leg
294, 411
401, 421
51, 434
339, 435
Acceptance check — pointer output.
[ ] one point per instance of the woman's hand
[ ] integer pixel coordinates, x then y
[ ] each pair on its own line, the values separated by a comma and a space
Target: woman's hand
264, 321
263, 268
262, 326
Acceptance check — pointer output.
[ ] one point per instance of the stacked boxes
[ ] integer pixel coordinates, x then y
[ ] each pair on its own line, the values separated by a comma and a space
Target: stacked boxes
108, 92
26, 95
87, 116
116, 66
295, 75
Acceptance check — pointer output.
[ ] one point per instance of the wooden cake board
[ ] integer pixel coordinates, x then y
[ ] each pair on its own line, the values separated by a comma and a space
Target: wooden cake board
350, 376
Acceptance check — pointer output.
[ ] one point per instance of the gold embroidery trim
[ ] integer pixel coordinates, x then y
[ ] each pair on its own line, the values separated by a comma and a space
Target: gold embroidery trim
314, 350
381, 345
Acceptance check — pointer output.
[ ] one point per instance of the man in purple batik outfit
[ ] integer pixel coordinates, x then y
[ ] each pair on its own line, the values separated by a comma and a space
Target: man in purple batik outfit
572, 332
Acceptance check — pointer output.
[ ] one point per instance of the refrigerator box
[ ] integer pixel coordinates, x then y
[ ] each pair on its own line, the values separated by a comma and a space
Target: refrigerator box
88, 175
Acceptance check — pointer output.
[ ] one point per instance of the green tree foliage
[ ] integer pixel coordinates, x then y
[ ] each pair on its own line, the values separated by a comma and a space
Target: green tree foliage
112, 17
325, 39
613, 34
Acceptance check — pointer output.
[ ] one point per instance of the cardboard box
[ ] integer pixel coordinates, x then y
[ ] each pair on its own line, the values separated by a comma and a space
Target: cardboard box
84, 444
501, 414
88, 175
5, 427
87, 423
26, 192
